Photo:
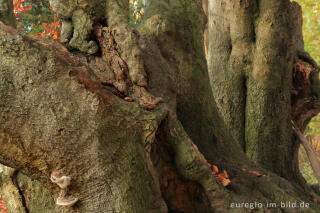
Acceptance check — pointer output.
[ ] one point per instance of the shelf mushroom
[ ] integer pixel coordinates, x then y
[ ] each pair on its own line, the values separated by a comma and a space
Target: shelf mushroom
63, 182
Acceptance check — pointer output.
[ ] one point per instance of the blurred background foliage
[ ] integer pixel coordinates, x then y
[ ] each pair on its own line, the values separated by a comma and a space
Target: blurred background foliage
36, 17
311, 27
311, 34
136, 12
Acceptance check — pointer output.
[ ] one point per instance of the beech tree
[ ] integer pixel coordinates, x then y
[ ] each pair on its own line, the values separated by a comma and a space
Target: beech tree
190, 112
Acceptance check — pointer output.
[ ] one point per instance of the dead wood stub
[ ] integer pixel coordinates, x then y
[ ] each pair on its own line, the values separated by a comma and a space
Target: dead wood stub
304, 102
121, 78
110, 53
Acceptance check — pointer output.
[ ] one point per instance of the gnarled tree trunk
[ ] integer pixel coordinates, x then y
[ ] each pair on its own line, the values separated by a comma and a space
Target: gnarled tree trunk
254, 46
95, 119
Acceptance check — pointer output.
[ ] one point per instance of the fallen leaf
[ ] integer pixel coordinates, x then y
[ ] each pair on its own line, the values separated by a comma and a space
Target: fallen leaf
225, 182
225, 174
128, 99
214, 169
256, 173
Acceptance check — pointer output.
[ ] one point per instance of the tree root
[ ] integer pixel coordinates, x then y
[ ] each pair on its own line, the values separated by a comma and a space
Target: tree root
192, 165
179, 193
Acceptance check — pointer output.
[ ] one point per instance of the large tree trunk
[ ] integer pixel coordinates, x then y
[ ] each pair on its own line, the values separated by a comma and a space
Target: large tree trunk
253, 48
250, 65
71, 113
50, 122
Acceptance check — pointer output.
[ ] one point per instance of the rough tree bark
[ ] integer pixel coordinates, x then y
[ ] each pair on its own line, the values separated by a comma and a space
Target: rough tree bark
64, 111
254, 46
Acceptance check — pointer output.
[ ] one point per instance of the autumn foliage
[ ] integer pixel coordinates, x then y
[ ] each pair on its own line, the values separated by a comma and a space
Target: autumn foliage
136, 12
222, 177
19, 6
42, 25
38, 19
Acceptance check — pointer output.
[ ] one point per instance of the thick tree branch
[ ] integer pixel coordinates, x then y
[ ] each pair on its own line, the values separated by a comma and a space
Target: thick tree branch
127, 41
70, 120
50, 122
193, 166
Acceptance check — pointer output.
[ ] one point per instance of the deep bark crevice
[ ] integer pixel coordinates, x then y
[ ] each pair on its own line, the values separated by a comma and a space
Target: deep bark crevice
245, 91
23, 199
181, 195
